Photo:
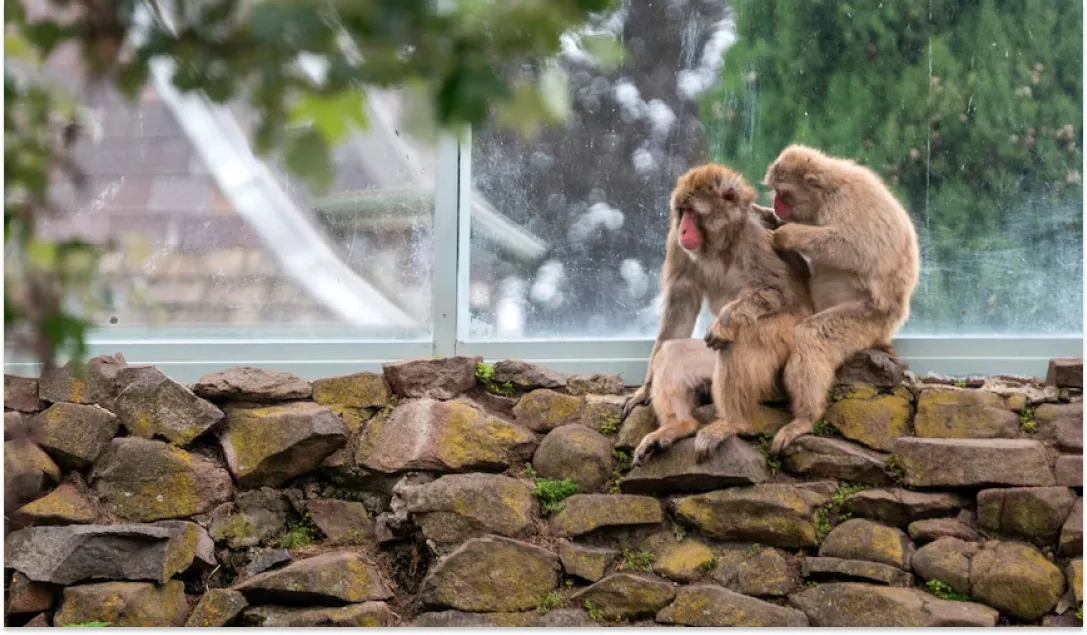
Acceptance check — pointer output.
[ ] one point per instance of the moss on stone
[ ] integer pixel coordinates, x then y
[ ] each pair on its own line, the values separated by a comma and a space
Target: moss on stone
874, 420
358, 390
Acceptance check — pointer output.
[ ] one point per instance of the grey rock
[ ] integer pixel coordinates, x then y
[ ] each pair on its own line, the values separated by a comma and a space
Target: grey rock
245, 383
443, 378
973, 462
834, 458
676, 470
820, 568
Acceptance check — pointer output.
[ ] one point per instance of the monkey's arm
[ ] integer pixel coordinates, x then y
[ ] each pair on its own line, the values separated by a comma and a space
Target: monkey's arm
751, 305
823, 246
682, 300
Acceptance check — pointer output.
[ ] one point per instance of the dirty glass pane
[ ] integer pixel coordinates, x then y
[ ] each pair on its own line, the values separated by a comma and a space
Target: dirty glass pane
180, 254
971, 111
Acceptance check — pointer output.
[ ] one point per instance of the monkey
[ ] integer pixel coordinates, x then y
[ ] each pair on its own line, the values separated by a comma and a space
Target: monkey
692, 272
865, 261
752, 334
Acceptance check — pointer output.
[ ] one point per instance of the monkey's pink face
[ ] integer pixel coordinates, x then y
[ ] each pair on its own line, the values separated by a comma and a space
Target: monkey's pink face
705, 219
690, 234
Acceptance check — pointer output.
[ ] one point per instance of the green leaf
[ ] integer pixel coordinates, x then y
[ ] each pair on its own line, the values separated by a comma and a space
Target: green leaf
17, 47
308, 158
332, 115
607, 50
555, 93
41, 255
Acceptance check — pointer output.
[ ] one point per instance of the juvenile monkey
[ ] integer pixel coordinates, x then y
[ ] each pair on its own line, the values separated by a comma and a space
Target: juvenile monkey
753, 331
865, 265
693, 271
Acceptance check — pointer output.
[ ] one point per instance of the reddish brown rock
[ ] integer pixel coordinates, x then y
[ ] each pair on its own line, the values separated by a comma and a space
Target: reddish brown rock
28, 596
527, 376
935, 528
735, 462
900, 507
357, 390
443, 378
874, 367
820, 457
1069, 470
577, 453
342, 522
1065, 372
21, 393
244, 383
96, 383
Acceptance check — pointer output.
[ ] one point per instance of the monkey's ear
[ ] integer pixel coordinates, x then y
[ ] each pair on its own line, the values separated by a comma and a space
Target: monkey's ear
730, 194
813, 179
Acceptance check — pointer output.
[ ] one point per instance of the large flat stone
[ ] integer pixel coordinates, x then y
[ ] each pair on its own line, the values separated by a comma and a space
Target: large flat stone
935, 528
583, 513
77, 553
872, 366
1069, 470
491, 574
63, 506
964, 414
778, 515
735, 462
527, 376
709, 605
452, 436
257, 385
342, 576
973, 462
899, 507
1034, 513
270, 445
585, 562
456, 507
854, 604
96, 384
143, 480
820, 457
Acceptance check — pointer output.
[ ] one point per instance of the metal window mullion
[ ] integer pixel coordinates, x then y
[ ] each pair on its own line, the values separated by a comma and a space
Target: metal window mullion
464, 238
447, 210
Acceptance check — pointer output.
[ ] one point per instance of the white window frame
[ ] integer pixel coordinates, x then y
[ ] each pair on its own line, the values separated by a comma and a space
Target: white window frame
186, 354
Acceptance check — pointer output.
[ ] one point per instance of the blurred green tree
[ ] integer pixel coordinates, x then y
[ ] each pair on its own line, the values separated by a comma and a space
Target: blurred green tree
453, 56
971, 110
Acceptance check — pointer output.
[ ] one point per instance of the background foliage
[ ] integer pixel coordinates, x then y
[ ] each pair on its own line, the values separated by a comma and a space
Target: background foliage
971, 109
451, 56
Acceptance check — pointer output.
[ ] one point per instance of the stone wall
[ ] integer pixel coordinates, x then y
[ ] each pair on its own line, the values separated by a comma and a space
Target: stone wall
449, 492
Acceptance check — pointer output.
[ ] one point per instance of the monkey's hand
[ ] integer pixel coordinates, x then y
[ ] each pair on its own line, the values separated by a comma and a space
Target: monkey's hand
787, 236
719, 336
639, 398
709, 439
651, 444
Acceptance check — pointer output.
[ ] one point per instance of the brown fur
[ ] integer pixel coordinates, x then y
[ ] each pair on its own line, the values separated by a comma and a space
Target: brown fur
688, 279
764, 297
865, 265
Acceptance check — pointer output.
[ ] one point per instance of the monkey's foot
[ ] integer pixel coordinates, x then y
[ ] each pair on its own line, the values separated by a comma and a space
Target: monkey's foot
652, 443
709, 439
639, 398
788, 434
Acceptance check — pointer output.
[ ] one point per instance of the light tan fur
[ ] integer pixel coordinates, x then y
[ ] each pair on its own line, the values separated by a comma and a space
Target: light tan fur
865, 262
753, 332
687, 279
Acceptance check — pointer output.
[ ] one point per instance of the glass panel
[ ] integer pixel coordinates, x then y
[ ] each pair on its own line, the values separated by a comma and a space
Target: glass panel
972, 114
182, 255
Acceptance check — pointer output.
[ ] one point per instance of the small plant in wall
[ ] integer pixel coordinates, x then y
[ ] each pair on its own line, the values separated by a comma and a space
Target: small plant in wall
485, 375
551, 492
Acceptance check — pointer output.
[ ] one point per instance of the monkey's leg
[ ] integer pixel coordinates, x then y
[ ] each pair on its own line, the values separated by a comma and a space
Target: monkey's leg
743, 375
823, 342
673, 402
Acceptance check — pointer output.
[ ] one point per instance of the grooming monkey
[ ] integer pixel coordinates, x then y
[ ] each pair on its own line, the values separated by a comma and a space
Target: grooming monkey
865, 265
714, 232
693, 271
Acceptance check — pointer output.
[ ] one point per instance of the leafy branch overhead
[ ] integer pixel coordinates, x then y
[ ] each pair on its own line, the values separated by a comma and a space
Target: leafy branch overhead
301, 67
